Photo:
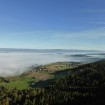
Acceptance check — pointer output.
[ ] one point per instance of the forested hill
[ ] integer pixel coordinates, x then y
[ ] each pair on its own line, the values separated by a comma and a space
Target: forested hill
91, 68
84, 85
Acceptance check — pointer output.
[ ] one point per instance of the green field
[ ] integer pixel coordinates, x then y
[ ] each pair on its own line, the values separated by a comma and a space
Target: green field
22, 83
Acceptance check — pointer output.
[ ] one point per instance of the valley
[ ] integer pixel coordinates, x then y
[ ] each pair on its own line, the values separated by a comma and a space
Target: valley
37, 75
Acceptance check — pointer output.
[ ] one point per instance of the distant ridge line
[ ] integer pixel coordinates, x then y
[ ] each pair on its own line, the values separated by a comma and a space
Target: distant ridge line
32, 49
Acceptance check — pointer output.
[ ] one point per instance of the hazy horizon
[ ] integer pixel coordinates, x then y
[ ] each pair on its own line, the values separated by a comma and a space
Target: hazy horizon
65, 49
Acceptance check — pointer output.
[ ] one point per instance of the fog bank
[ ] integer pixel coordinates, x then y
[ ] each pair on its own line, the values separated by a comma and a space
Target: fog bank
16, 63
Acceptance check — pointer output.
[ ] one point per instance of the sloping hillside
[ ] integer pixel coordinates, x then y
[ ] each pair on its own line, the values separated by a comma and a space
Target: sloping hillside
37, 75
84, 85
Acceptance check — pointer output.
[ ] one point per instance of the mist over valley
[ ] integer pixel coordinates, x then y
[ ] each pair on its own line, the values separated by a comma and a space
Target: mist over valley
17, 61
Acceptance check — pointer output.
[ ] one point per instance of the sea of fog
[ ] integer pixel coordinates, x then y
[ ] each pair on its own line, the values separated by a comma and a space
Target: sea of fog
15, 63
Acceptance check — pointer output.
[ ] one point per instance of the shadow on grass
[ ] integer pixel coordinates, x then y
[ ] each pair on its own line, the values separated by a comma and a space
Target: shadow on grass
41, 84
46, 83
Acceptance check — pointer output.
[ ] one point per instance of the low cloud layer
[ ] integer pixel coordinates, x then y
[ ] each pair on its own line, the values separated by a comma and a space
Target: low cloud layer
15, 63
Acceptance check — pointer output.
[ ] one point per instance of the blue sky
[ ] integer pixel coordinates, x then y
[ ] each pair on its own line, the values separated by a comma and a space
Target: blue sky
52, 24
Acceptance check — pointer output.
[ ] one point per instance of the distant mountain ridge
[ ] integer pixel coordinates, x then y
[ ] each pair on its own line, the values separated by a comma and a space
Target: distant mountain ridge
3, 50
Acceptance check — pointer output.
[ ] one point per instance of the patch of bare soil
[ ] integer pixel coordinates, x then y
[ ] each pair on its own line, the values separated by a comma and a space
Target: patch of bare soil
40, 75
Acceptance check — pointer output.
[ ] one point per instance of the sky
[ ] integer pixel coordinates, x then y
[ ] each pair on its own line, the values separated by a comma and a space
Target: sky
52, 24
